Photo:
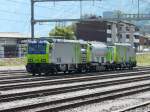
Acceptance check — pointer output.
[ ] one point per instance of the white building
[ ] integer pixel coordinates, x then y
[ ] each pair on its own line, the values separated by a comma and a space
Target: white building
122, 32
10, 44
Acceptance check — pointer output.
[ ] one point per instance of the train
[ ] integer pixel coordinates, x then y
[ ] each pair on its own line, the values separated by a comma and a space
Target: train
67, 56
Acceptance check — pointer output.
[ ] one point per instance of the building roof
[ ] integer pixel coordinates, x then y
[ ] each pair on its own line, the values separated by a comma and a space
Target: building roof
108, 21
148, 36
12, 35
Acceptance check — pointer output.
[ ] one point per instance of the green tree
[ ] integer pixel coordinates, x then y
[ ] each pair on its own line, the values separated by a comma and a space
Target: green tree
63, 32
118, 13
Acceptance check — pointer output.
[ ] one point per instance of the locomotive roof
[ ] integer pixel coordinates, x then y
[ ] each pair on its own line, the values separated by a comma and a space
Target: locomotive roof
98, 44
57, 40
39, 41
122, 44
70, 41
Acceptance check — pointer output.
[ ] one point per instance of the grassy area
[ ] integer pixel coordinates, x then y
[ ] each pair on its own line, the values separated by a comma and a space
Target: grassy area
12, 61
143, 59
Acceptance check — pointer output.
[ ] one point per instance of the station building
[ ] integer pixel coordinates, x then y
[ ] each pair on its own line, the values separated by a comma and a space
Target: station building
12, 44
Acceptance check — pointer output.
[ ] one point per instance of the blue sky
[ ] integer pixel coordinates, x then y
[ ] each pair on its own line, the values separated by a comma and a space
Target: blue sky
15, 14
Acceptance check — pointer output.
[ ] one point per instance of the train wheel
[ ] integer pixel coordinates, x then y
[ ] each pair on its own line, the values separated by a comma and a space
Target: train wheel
55, 71
33, 74
47, 73
64, 72
39, 74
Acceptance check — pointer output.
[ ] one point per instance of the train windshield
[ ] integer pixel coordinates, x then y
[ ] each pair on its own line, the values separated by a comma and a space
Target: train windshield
37, 48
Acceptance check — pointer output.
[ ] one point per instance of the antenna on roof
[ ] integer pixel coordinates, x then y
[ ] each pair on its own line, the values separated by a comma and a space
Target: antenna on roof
54, 3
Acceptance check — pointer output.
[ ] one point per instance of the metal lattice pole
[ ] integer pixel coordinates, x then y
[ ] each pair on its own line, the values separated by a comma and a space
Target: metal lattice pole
138, 8
33, 21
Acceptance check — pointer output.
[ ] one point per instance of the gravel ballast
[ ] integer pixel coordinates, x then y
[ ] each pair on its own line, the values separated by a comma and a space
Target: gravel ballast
115, 105
58, 85
66, 95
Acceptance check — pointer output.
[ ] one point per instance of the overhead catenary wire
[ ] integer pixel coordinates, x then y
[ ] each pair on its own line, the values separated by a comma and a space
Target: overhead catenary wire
12, 20
49, 7
33, 21
19, 13
36, 5
14, 12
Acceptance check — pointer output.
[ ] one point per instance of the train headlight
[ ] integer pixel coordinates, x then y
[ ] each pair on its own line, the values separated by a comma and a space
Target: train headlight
30, 60
43, 60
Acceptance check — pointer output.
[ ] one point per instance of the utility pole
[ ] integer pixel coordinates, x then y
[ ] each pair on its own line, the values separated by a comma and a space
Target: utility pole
138, 8
80, 9
33, 21
118, 26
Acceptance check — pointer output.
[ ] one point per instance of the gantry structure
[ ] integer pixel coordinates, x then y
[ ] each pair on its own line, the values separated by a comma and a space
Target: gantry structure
128, 17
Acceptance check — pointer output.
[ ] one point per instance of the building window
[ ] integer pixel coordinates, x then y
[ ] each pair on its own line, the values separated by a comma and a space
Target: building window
127, 29
102, 59
137, 29
109, 27
109, 36
120, 35
120, 28
136, 36
127, 36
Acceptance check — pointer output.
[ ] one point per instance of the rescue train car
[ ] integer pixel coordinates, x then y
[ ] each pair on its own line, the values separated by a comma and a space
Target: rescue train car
77, 56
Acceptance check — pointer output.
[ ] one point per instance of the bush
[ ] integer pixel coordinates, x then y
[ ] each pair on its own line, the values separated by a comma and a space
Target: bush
143, 59
12, 61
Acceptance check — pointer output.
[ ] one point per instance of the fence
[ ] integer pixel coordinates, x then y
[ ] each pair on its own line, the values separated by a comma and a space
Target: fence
143, 59
17, 57
13, 55
15, 51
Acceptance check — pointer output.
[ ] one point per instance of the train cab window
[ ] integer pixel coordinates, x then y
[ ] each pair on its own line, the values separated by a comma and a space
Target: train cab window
59, 60
102, 59
109, 27
37, 48
97, 59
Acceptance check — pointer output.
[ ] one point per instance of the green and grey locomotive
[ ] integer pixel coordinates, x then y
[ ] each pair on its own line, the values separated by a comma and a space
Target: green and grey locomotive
45, 57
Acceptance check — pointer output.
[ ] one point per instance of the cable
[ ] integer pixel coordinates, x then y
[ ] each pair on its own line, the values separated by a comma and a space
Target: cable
14, 1
6, 19
28, 3
146, 1
11, 12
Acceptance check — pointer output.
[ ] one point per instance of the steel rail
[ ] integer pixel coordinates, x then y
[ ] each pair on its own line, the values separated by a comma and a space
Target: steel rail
3, 72
39, 93
29, 79
12, 71
68, 80
134, 107
72, 102
64, 75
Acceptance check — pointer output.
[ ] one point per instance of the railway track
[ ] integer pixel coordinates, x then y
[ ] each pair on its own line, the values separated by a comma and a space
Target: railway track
12, 71
74, 101
136, 108
17, 74
68, 80
57, 87
7, 80
69, 88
